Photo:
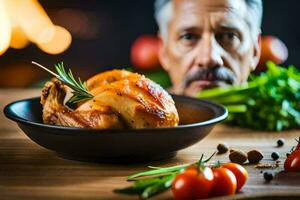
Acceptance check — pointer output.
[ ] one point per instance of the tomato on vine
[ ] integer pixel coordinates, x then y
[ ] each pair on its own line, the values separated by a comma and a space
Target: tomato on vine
189, 181
193, 183
225, 182
239, 172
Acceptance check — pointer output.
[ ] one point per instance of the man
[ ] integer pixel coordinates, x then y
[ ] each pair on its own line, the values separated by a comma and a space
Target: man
208, 43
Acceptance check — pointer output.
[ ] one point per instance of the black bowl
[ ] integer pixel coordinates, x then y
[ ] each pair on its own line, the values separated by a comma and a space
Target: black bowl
197, 118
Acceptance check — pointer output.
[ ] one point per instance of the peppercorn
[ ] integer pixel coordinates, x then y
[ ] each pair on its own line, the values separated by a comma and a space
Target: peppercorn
268, 176
255, 156
222, 148
280, 142
238, 156
287, 154
275, 155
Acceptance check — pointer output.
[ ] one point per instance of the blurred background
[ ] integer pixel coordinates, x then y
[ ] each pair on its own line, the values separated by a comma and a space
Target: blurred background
92, 36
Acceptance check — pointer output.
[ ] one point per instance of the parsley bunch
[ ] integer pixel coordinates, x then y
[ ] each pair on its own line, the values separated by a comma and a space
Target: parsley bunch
269, 101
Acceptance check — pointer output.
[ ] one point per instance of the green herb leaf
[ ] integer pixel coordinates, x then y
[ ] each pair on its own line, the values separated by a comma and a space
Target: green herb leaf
148, 187
164, 184
138, 187
158, 171
269, 101
80, 92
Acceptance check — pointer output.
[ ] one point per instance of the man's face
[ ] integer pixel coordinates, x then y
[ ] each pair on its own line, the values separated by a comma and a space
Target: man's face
209, 44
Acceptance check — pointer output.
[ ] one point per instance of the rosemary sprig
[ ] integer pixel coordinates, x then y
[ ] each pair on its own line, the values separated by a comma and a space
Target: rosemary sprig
80, 92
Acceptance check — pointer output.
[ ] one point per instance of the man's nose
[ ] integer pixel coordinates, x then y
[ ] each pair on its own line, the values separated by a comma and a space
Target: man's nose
208, 53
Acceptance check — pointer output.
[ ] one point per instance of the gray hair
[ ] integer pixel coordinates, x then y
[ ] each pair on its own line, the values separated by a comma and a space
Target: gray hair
163, 13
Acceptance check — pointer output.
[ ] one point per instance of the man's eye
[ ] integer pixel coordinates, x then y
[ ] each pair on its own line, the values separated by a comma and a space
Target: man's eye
188, 39
228, 39
189, 36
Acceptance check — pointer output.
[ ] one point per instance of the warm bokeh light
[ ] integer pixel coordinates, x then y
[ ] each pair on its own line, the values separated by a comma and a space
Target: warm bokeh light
22, 21
60, 40
5, 28
33, 19
18, 38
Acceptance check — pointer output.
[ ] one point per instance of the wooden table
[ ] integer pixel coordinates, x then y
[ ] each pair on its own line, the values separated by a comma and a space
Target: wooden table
28, 171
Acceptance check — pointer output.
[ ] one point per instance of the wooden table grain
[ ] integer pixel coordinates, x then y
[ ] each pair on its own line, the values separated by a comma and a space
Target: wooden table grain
28, 171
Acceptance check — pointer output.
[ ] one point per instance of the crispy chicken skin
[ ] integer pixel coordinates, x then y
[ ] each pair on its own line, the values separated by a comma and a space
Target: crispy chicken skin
121, 99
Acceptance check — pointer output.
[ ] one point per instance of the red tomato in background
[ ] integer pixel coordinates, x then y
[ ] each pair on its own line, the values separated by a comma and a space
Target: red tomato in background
144, 52
273, 49
292, 162
193, 184
239, 172
225, 182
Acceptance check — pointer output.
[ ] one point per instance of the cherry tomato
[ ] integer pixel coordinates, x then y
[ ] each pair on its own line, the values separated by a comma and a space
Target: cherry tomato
144, 52
225, 182
239, 172
193, 184
292, 162
298, 145
273, 49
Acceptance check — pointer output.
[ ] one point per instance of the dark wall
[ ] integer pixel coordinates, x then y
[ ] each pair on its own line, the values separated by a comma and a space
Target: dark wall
281, 18
110, 27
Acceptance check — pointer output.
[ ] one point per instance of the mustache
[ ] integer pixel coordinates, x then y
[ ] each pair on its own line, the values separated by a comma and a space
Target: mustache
212, 74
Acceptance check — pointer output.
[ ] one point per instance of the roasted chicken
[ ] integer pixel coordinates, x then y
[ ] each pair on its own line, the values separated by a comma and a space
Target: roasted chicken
121, 99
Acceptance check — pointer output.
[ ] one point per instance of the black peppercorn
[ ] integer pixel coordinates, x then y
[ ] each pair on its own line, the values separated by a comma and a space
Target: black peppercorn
280, 142
275, 155
268, 176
